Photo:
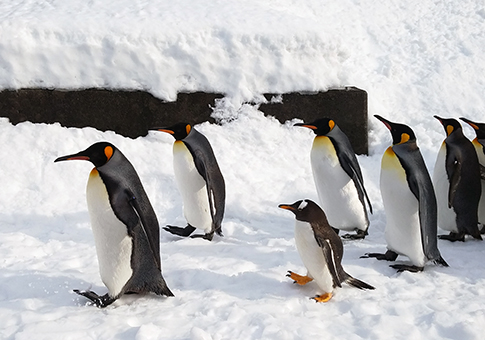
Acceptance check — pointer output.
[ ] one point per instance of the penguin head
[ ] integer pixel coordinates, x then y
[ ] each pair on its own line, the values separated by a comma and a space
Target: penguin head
179, 131
321, 127
478, 127
99, 154
305, 211
400, 133
450, 124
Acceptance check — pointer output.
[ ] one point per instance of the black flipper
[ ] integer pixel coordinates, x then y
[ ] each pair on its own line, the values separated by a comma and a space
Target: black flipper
329, 254
100, 301
388, 256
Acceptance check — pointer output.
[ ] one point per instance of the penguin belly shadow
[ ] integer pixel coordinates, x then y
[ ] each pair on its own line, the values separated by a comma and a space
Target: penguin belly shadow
187, 231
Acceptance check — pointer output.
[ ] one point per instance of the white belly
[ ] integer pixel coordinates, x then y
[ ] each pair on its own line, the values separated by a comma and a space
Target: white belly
403, 231
113, 245
481, 159
192, 187
446, 216
336, 191
312, 256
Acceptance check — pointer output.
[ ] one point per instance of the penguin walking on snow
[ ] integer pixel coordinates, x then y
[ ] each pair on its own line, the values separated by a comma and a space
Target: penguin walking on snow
479, 144
456, 179
125, 227
199, 180
409, 201
338, 179
320, 249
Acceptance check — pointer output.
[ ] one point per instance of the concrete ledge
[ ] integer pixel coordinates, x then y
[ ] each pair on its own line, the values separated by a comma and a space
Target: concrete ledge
132, 113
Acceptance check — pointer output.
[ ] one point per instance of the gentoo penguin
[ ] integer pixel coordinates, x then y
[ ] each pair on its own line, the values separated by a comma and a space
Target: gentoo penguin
125, 227
199, 180
320, 249
479, 144
338, 178
456, 180
409, 201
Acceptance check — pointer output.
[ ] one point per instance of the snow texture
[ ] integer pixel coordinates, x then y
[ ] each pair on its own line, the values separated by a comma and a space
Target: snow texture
415, 59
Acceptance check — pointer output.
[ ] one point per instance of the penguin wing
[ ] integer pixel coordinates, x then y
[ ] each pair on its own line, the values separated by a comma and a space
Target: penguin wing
349, 163
128, 210
329, 255
206, 165
420, 184
453, 169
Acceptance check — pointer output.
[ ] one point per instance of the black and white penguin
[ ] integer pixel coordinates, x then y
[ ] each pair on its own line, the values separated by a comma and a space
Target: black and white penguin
456, 180
125, 227
338, 178
199, 180
320, 249
479, 144
409, 202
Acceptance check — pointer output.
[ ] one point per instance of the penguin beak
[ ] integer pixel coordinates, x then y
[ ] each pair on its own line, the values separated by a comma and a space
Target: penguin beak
440, 119
385, 121
309, 126
286, 206
77, 156
469, 122
163, 130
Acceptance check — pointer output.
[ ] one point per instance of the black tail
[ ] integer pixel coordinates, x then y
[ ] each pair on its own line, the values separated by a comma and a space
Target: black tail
352, 281
440, 261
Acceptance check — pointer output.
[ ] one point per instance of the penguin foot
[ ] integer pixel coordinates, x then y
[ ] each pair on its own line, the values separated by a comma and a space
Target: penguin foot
184, 232
403, 267
99, 301
322, 298
453, 237
207, 236
360, 235
299, 279
388, 256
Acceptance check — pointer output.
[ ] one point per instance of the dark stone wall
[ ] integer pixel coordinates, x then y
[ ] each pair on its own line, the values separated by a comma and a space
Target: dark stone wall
132, 113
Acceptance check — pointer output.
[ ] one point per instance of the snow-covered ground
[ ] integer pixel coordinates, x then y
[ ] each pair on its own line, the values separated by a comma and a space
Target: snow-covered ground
414, 58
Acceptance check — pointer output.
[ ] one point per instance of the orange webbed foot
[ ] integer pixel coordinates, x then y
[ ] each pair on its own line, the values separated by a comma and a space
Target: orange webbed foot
299, 279
322, 298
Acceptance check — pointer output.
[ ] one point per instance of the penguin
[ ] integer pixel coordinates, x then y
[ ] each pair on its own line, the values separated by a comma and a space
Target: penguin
199, 180
125, 227
479, 144
338, 179
456, 179
320, 249
409, 202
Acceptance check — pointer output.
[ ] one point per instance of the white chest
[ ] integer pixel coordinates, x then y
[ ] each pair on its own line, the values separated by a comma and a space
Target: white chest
192, 187
336, 191
312, 256
446, 215
403, 230
113, 245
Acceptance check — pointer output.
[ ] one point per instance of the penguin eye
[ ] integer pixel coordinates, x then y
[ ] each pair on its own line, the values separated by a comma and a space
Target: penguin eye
108, 151
449, 129
188, 128
331, 124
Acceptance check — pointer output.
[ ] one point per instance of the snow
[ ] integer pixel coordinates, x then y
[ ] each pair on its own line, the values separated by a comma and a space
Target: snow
415, 59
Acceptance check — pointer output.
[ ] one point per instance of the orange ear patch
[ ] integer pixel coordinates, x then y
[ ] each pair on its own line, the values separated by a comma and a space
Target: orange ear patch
108, 151
188, 128
331, 124
449, 129
404, 138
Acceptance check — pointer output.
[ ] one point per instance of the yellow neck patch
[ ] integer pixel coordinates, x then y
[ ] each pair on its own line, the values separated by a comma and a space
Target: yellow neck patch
449, 129
94, 172
108, 151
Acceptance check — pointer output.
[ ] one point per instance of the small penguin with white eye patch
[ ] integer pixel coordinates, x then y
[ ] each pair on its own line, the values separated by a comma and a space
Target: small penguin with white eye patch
338, 178
125, 227
320, 249
199, 180
456, 180
479, 144
409, 201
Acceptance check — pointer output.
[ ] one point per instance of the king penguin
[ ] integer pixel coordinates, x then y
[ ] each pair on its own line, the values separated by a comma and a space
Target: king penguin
338, 178
199, 180
456, 179
479, 144
409, 202
125, 227
320, 249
